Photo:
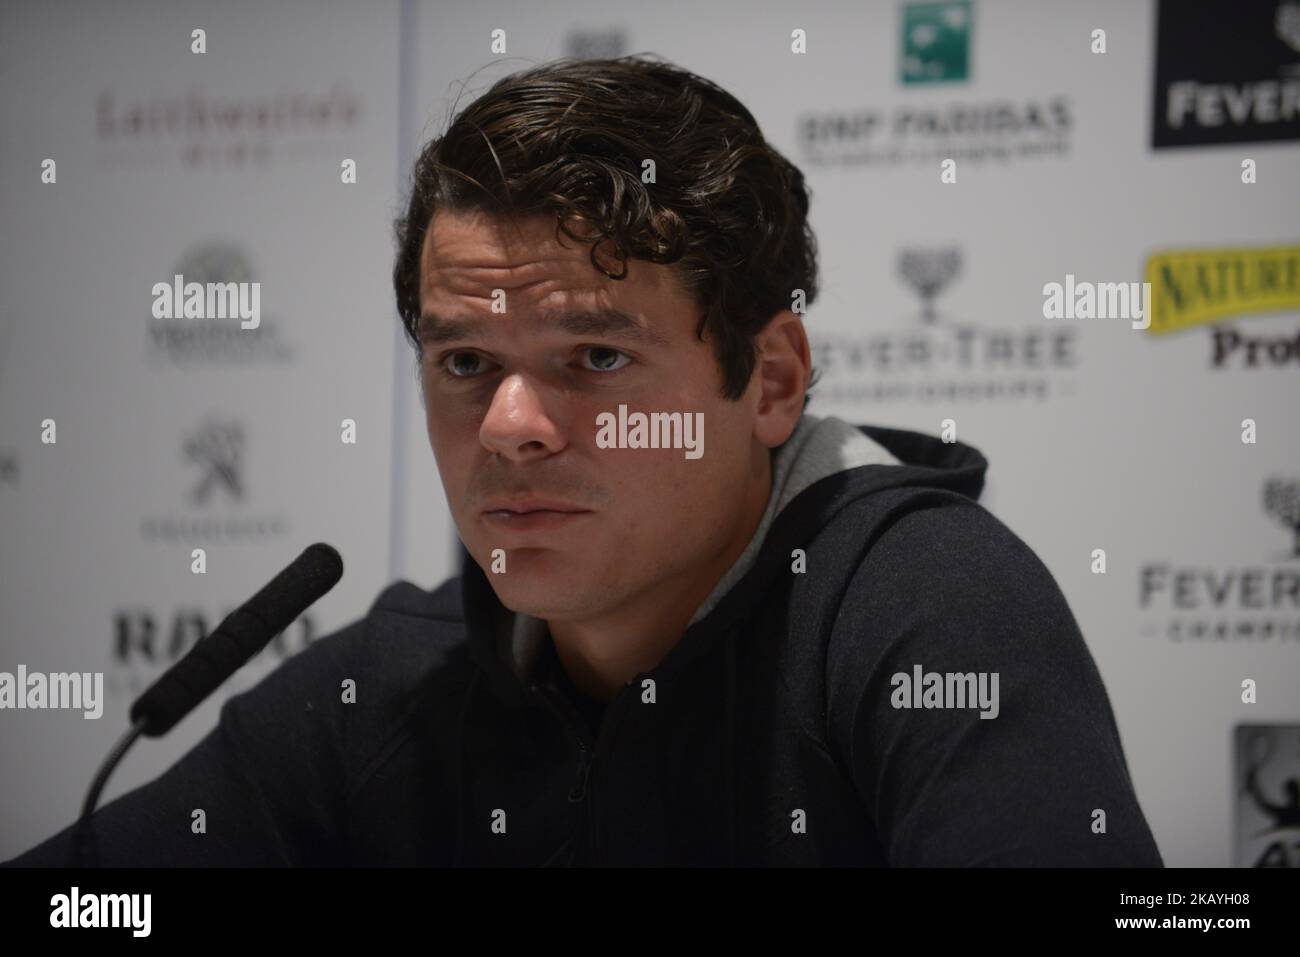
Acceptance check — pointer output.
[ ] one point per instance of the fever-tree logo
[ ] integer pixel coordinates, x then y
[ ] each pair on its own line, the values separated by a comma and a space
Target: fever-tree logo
1282, 502
929, 271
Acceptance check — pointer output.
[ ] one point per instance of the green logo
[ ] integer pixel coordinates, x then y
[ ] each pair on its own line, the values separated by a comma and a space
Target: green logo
936, 42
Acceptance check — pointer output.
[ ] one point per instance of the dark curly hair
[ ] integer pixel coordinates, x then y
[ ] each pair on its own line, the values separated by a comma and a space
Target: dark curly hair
568, 138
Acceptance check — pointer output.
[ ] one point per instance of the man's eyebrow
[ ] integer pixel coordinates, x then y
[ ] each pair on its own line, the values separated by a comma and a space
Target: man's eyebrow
612, 323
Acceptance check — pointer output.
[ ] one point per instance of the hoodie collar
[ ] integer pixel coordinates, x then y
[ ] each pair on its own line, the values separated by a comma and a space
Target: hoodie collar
505, 645
818, 447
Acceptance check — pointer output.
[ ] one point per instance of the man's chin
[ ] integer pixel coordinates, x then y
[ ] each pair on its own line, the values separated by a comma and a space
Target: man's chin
541, 582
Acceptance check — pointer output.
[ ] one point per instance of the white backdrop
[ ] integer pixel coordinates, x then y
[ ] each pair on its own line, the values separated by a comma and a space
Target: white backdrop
1099, 436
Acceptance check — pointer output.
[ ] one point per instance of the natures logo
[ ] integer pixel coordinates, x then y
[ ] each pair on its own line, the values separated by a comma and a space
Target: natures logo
1191, 288
936, 42
188, 341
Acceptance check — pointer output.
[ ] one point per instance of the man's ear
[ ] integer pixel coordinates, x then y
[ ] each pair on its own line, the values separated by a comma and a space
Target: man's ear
782, 369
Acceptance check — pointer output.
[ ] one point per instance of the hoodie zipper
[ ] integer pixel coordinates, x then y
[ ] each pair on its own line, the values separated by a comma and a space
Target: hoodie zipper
586, 753
581, 790
585, 759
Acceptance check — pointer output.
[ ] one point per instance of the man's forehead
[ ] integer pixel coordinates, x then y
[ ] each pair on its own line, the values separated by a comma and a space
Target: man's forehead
470, 239
473, 256
469, 259
599, 321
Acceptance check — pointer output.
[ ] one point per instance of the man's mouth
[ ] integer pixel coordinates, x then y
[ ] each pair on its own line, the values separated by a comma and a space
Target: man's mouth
531, 513
519, 519
527, 506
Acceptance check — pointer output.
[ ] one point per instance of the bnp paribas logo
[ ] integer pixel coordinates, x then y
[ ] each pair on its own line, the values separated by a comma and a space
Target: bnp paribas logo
936, 42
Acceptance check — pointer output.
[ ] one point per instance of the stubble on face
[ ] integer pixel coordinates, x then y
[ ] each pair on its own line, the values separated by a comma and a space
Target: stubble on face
655, 521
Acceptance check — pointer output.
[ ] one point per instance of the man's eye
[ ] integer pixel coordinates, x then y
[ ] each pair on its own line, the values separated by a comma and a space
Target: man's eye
467, 365
454, 364
604, 359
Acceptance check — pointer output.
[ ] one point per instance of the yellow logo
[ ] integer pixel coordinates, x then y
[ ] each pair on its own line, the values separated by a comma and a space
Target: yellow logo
1200, 286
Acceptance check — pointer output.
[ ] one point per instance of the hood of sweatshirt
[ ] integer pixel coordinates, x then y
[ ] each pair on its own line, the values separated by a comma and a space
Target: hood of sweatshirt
834, 461
824, 466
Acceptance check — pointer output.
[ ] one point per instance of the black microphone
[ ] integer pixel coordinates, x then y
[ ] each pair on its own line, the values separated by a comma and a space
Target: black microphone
241, 635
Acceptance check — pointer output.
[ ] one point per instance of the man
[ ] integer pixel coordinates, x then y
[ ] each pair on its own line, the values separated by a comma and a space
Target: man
695, 624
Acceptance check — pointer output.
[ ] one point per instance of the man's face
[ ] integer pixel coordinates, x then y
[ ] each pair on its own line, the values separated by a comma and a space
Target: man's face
512, 400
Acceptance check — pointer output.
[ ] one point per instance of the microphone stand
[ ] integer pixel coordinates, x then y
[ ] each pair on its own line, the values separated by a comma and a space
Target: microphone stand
84, 851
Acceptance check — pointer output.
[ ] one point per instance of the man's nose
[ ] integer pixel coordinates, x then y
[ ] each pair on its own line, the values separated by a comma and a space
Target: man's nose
517, 425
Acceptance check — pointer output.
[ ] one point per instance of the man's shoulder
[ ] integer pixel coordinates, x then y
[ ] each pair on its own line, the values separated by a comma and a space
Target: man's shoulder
913, 534
942, 557
922, 529
939, 575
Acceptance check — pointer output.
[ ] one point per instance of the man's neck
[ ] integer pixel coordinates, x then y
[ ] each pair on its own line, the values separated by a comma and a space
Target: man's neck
602, 655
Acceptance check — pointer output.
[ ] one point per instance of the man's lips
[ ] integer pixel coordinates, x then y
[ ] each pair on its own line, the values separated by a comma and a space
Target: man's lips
532, 516
524, 506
